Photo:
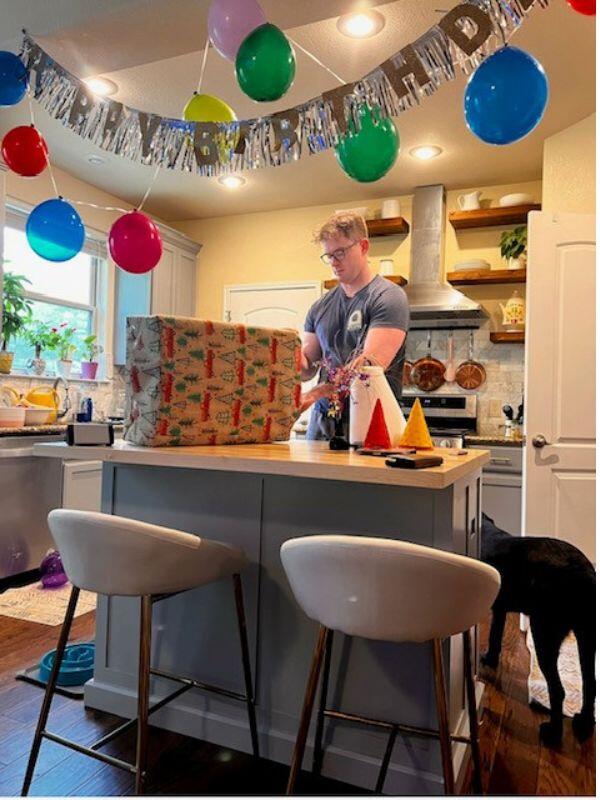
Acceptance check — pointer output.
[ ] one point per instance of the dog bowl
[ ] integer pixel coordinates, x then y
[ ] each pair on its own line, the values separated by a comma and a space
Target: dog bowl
76, 668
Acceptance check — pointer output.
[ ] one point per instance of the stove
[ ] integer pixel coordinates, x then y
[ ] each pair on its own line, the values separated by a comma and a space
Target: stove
450, 417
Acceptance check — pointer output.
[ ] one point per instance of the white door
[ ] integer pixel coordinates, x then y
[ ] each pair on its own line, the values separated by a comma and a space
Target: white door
162, 281
184, 284
560, 400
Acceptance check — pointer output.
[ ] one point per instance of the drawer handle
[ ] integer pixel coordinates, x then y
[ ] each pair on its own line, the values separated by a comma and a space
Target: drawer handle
500, 461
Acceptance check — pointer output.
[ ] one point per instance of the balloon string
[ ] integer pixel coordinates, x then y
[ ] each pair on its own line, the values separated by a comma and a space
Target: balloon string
149, 189
203, 67
102, 208
317, 61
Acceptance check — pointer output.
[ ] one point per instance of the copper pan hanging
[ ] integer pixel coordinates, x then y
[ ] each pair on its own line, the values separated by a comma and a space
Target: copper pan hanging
470, 374
428, 373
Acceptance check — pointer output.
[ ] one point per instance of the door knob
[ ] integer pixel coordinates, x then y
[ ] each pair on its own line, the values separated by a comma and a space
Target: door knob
539, 441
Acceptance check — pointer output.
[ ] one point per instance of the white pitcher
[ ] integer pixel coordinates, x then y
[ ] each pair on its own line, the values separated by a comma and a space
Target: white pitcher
469, 202
363, 396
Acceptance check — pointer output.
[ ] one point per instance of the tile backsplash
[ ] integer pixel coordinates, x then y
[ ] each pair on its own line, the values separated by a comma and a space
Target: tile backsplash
504, 366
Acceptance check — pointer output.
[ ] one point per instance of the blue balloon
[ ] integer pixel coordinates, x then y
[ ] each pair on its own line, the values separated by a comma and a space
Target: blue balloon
54, 230
13, 79
506, 96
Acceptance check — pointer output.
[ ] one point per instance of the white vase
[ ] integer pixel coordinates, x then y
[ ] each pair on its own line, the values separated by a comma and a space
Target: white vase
364, 394
37, 365
64, 368
514, 263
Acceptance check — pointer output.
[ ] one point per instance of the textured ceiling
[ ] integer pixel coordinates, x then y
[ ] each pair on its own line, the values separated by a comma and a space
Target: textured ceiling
153, 50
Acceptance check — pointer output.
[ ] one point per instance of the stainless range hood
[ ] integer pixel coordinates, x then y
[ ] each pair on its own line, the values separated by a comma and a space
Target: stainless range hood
433, 302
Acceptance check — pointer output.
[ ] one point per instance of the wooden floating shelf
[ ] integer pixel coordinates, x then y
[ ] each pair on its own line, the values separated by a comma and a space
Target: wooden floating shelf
507, 337
473, 277
399, 280
396, 226
490, 217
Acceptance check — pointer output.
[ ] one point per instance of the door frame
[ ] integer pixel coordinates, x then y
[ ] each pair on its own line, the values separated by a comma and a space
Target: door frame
230, 289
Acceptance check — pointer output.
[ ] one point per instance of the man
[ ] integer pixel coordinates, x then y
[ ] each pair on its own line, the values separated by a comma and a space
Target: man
363, 319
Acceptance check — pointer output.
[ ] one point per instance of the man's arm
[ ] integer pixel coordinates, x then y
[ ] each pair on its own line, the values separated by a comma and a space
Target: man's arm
382, 345
311, 352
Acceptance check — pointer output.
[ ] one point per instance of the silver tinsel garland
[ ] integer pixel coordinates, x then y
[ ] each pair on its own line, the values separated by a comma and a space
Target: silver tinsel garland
458, 43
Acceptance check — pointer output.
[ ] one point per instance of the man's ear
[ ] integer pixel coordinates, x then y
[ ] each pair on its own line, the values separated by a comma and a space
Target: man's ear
364, 246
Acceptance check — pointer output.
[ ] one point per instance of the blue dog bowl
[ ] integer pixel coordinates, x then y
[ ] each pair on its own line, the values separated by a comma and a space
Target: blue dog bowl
76, 668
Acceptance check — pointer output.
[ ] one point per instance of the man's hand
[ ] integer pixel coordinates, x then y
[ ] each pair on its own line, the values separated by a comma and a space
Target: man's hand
314, 394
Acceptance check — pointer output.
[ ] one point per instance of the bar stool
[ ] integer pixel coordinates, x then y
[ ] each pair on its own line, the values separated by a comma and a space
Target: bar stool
112, 555
393, 592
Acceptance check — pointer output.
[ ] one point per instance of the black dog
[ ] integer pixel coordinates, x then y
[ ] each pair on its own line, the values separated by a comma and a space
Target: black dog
555, 584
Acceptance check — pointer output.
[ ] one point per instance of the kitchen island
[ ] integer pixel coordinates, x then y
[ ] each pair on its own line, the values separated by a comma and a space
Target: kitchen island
257, 497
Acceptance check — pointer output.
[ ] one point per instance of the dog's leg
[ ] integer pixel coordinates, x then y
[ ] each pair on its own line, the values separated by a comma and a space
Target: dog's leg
547, 640
583, 723
491, 658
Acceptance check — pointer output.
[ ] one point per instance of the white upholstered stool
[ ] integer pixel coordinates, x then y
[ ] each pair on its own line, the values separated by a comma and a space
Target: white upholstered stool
117, 556
394, 592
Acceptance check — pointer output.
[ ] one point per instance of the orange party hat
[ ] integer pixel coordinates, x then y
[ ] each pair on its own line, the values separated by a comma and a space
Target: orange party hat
416, 433
378, 436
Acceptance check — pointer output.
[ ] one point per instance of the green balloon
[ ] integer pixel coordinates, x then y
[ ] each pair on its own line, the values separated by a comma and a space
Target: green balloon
265, 65
368, 154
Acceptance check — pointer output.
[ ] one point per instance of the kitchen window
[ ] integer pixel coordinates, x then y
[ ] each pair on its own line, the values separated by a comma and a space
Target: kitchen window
67, 292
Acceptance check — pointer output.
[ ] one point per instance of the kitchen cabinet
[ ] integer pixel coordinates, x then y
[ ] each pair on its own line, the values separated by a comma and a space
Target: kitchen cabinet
503, 487
170, 288
82, 485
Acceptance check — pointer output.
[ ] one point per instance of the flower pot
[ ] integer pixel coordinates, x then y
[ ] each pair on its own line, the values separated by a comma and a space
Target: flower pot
6, 360
64, 367
37, 365
514, 263
89, 370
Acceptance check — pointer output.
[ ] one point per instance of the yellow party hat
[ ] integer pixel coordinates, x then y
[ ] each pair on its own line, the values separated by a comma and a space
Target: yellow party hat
416, 433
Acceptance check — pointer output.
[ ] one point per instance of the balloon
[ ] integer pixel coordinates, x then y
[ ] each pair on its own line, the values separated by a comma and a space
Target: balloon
13, 79
134, 243
265, 65
207, 108
506, 96
587, 7
370, 153
54, 230
24, 151
230, 21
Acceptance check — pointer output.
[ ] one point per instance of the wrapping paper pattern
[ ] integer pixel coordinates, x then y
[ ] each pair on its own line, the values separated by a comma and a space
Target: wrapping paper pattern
196, 382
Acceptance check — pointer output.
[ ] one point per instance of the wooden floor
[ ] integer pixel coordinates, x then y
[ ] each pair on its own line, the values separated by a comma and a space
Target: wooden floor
514, 761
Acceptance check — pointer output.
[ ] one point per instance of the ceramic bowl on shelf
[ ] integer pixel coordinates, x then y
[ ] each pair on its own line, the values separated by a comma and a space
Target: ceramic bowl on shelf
37, 416
515, 199
473, 264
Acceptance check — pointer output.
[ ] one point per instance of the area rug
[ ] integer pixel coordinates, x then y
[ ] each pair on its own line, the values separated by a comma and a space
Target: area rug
570, 676
44, 606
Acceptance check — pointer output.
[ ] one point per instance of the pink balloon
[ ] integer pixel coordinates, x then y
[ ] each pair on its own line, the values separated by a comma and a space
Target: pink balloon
134, 243
230, 21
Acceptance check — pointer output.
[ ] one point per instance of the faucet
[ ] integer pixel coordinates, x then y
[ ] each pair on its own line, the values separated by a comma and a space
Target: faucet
67, 405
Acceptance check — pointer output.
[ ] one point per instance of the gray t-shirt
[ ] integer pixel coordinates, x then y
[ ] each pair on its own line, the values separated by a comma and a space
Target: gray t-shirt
341, 324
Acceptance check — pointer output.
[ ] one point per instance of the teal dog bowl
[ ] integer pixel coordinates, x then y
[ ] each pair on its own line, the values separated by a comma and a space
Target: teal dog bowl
76, 668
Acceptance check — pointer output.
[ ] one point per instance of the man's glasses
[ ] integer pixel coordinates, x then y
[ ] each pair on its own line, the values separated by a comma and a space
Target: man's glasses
337, 255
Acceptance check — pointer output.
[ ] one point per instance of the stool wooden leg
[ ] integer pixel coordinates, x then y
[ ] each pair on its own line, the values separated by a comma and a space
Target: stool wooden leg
141, 757
309, 699
241, 617
50, 687
442, 709
472, 708
318, 748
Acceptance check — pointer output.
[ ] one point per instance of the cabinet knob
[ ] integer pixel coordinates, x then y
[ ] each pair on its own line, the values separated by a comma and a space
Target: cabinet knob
539, 441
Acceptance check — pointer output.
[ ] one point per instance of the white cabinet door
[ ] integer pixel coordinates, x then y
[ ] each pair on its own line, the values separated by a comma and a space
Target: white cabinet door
282, 305
82, 485
184, 284
162, 281
560, 379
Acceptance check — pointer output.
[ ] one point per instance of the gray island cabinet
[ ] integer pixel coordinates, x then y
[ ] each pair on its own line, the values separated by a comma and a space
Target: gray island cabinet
257, 497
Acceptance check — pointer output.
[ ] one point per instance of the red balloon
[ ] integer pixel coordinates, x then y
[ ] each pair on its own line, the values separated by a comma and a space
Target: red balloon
587, 7
134, 243
25, 151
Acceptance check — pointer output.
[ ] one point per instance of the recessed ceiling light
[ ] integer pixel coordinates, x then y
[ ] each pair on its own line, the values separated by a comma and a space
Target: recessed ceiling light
361, 24
425, 152
94, 160
101, 86
232, 181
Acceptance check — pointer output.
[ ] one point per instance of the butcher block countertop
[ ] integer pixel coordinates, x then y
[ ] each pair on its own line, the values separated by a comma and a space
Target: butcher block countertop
294, 459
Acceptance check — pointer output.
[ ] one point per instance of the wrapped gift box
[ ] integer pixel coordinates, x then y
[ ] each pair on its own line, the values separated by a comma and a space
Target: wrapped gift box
196, 382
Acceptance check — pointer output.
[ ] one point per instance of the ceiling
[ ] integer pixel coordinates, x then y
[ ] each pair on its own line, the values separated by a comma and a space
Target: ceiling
153, 49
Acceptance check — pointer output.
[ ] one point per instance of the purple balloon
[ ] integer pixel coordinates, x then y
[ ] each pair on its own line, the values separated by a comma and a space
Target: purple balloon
230, 21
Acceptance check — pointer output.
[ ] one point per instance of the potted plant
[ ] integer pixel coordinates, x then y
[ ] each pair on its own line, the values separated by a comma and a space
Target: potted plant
513, 245
92, 351
65, 348
43, 338
16, 312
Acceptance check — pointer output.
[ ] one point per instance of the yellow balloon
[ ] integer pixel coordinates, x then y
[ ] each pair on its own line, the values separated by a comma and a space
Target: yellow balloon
207, 108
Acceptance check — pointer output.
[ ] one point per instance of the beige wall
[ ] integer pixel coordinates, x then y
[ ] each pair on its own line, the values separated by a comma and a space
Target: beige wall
570, 169
276, 245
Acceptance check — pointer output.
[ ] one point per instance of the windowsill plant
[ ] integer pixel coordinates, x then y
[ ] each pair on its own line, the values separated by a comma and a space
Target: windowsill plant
16, 313
66, 347
44, 339
92, 350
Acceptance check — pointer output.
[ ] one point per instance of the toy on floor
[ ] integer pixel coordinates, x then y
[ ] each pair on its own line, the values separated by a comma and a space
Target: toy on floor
53, 574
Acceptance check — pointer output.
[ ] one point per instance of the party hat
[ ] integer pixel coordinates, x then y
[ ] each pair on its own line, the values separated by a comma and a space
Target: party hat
416, 433
378, 436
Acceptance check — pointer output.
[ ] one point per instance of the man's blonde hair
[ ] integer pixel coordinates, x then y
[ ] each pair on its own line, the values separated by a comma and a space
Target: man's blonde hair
344, 223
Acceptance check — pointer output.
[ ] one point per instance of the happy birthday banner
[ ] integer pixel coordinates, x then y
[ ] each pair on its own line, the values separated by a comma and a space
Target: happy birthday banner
457, 43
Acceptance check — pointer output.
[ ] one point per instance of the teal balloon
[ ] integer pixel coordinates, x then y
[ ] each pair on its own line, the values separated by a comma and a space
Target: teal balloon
265, 65
54, 230
368, 154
